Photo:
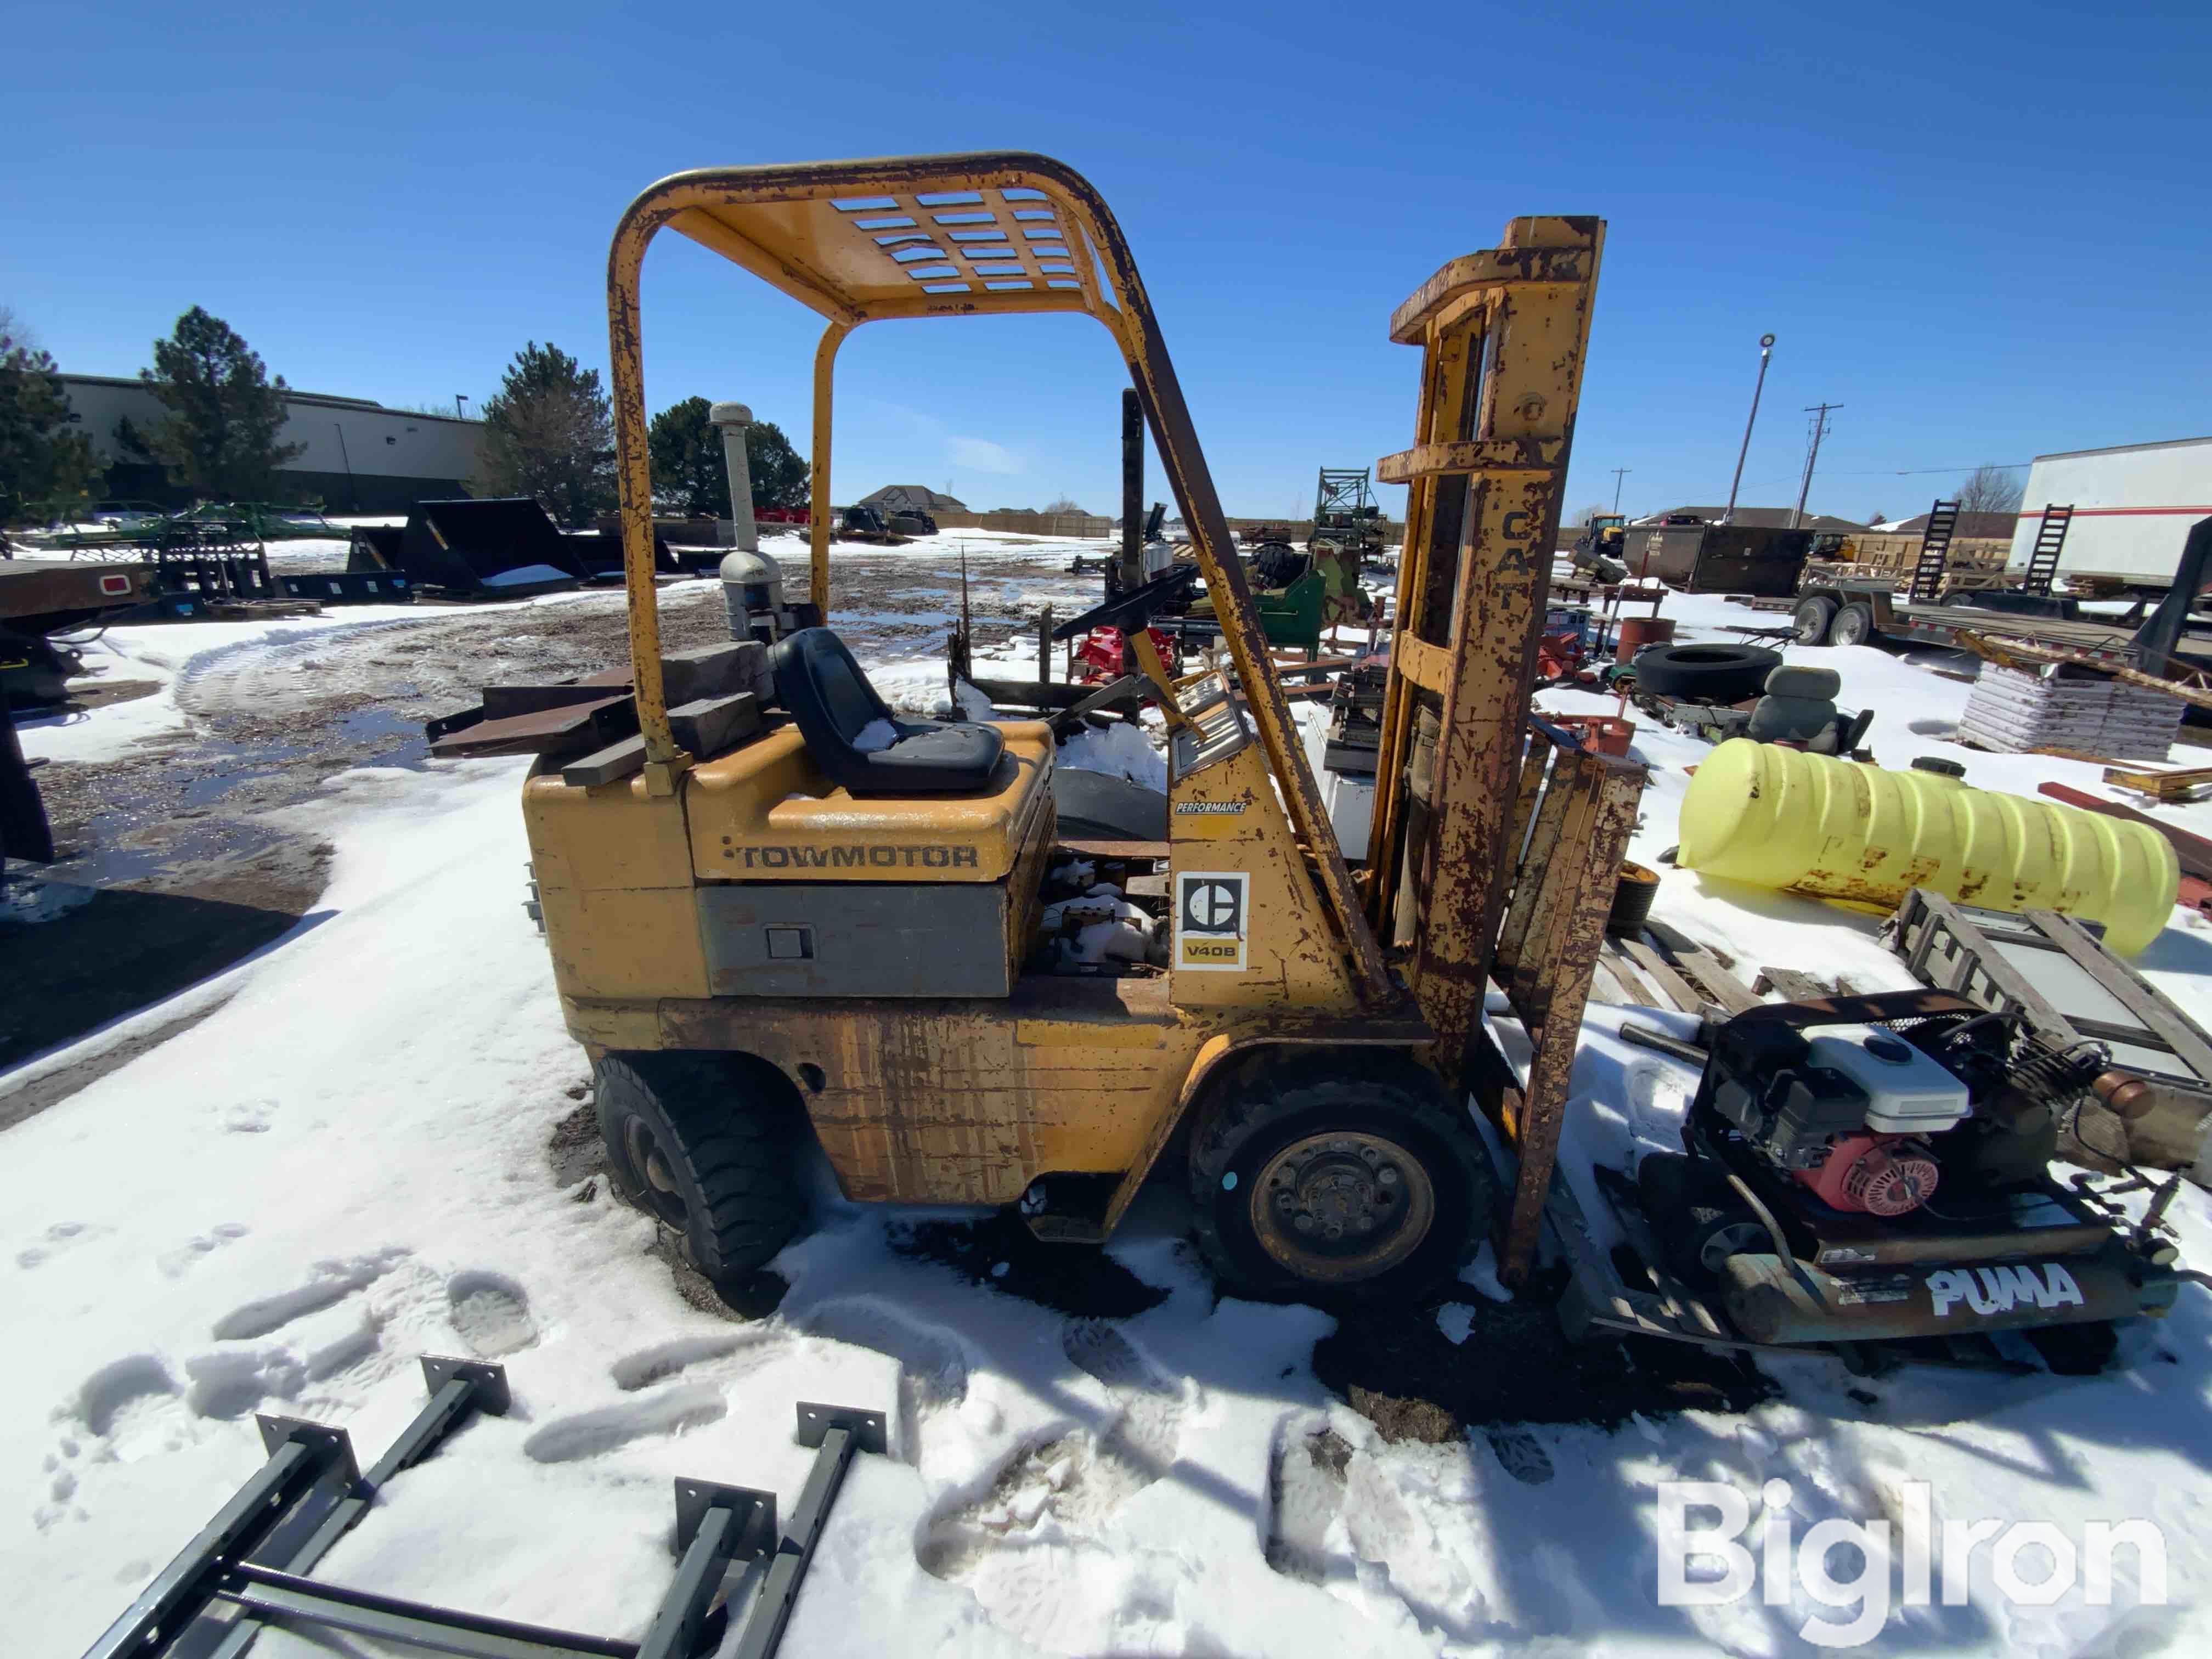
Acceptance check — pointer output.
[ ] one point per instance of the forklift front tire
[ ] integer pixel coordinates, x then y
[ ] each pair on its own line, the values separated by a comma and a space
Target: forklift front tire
707, 1149
1321, 1181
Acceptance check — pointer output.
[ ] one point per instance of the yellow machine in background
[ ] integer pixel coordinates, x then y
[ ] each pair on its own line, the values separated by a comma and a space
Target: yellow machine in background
830, 925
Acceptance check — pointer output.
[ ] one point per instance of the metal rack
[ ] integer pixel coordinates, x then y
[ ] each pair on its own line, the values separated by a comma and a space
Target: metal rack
249, 1566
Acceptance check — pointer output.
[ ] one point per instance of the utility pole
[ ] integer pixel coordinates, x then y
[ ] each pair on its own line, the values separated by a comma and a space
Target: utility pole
1819, 414
1618, 473
1765, 351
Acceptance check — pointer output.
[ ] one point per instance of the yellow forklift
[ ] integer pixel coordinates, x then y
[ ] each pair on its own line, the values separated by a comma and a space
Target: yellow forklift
824, 920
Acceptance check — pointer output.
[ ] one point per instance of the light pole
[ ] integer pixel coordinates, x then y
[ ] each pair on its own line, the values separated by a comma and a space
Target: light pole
460, 398
1618, 473
1765, 351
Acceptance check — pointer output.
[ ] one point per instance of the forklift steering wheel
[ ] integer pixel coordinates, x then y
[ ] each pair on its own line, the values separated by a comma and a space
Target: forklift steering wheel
1135, 608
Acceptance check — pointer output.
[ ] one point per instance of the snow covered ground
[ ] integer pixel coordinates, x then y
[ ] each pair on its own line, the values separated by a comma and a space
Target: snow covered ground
344, 1165
1917, 712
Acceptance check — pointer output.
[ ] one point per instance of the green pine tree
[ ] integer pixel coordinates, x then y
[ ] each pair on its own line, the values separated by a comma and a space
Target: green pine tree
690, 475
43, 459
778, 472
219, 438
548, 434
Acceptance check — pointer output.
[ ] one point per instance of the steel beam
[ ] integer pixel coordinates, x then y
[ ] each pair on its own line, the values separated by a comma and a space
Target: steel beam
839, 1432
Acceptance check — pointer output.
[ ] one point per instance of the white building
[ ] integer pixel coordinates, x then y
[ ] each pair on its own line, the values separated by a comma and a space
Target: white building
2133, 506
357, 456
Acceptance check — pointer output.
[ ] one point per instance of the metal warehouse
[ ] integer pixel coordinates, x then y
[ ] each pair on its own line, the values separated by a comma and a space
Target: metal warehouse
357, 456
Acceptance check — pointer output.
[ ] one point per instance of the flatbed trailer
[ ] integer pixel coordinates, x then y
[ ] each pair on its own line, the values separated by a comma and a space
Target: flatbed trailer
1847, 613
45, 598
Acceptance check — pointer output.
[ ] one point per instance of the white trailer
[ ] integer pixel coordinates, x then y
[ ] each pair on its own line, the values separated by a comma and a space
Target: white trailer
2133, 506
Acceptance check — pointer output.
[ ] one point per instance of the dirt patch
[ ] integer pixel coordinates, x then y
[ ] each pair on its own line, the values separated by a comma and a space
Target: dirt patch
741, 1301
132, 944
27, 1100
1406, 1419
100, 694
176, 839
1000, 1253
574, 1148
1398, 1369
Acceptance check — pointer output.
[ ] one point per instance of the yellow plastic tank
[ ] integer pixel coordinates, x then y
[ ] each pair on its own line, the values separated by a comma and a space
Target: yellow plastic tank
1808, 823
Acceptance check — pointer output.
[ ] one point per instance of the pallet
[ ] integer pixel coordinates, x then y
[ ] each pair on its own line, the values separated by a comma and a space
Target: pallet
1660, 967
2020, 965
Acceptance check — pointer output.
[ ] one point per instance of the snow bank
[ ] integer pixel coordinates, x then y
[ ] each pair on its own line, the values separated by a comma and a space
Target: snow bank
1121, 751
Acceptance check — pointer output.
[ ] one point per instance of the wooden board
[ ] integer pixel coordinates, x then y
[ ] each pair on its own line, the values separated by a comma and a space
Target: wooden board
1661, 973
2175, 786
1703, 969
1794, 986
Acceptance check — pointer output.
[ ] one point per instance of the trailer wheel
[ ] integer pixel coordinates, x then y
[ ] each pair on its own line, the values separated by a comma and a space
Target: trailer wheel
1330, 1179
1812, 617
1854, 625
707, 1146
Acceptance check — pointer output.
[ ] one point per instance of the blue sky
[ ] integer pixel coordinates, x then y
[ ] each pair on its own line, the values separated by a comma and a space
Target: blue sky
1982, 230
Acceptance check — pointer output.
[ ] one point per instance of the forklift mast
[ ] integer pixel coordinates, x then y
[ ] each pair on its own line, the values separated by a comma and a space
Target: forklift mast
1503, 335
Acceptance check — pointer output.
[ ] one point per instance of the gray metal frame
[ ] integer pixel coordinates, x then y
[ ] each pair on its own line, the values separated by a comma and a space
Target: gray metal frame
249, 1565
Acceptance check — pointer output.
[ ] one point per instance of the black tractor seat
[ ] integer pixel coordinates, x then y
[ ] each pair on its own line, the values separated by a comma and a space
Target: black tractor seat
853, 735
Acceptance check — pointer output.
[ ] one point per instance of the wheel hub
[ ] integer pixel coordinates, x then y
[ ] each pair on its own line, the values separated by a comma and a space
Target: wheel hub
1342, 1206
660, 1193
1735, 1239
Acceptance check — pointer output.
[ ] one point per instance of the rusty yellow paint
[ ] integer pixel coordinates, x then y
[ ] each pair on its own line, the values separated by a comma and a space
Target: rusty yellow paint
765, 812
945, 1102
612, 1027
613, 868
1503, 333
1291, 959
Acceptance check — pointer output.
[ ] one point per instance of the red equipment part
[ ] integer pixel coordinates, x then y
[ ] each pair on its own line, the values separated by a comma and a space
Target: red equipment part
1100, 657
1877, 1174
1559, 656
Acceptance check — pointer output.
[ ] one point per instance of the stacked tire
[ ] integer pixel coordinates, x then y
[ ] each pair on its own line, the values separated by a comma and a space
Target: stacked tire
1704, 673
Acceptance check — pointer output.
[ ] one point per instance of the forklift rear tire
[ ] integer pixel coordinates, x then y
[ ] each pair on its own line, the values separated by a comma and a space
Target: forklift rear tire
707, 1147
1332, 1179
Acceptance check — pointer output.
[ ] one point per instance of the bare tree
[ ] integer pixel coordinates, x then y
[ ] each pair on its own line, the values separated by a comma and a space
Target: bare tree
1991, 489
1584, 515
17, 330
1062, 504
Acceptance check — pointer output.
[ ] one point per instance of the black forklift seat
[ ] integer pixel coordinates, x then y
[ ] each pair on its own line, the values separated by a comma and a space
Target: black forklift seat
818, 680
